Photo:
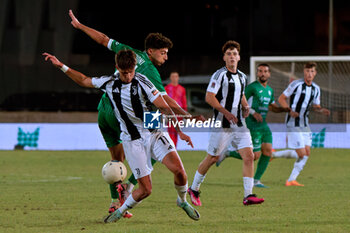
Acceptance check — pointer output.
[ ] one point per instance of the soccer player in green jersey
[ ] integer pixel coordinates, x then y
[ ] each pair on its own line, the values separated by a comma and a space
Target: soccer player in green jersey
261, 99
155, 54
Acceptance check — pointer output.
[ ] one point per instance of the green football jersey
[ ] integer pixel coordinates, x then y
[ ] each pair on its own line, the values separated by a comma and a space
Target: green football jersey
143, 66
259, 99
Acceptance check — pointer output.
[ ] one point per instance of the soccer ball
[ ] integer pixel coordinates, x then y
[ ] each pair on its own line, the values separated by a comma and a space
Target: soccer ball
114, 172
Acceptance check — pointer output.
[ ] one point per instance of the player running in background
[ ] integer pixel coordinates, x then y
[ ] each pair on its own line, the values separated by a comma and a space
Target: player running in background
155, 54
178, 93
225, 93
131, 94
261, 99
302, 94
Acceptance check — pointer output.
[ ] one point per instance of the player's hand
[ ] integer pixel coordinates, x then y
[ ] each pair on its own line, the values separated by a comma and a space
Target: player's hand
287, 109
198, 118
245, 111
258, 117
293, 114
231, 118
74, 21
186, 138
325, 111
53, 60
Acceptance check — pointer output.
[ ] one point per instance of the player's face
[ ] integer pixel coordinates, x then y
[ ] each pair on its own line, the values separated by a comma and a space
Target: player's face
158, 56
263, 73
174, 78
309, 74
126, 75
231, 57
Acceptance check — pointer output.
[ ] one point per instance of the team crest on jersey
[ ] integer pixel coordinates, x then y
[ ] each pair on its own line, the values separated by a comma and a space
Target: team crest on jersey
269, 92
134, 90
213, 85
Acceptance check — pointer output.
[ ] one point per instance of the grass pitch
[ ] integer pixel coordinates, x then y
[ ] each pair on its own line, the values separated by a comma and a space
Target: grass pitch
63, 191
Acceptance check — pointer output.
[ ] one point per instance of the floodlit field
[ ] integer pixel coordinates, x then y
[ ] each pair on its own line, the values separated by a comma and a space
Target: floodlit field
63, 191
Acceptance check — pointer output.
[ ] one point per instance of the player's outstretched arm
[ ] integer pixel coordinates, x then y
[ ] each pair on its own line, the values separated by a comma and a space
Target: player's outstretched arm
282, 100
180, 111
160, 103
277, 109
211, 99
245, 107
76, 76
97, 36
323, 111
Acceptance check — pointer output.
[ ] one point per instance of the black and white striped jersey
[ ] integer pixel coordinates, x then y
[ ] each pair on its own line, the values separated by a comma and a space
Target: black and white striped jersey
229, 90
301, 98
129, 101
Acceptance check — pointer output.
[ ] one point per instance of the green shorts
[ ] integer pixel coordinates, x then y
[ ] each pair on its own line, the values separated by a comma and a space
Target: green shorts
108, 123
262, 135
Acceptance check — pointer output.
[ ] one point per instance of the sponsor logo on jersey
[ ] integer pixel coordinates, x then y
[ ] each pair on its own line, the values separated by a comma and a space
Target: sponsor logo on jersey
155, 92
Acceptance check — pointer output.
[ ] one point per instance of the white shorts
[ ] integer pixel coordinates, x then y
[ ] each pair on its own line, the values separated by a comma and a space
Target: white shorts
219, 140
299, 137
139, 152
159, 145
138, 158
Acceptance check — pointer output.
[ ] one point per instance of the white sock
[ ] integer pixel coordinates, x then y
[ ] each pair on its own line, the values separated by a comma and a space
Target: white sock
197, 181
181, 192
128, 204
285, 154
248, 184
298, 167
130, 187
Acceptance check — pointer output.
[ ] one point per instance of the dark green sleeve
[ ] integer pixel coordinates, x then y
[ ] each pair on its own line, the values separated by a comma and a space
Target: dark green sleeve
248, 91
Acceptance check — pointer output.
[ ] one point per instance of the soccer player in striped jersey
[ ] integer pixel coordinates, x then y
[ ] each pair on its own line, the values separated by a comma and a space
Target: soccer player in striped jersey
225, 93
155, 54
130, 94
261, 99
303, 95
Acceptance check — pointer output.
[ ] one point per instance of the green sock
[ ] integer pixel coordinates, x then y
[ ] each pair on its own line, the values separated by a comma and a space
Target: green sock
262, 165
114, 192
235, 154
132, 179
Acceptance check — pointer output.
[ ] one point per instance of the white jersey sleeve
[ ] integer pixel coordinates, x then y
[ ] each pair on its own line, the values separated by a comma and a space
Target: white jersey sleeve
215, 82
100, 82
150, 90
317, 99
289, 91
244, 81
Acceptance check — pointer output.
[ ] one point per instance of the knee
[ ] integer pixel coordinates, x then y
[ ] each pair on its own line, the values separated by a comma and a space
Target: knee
214, 159
267, 152
249, 158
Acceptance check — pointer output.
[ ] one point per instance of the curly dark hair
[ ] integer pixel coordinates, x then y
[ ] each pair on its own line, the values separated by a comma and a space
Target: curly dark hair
157, 41
231, 44
125, 59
